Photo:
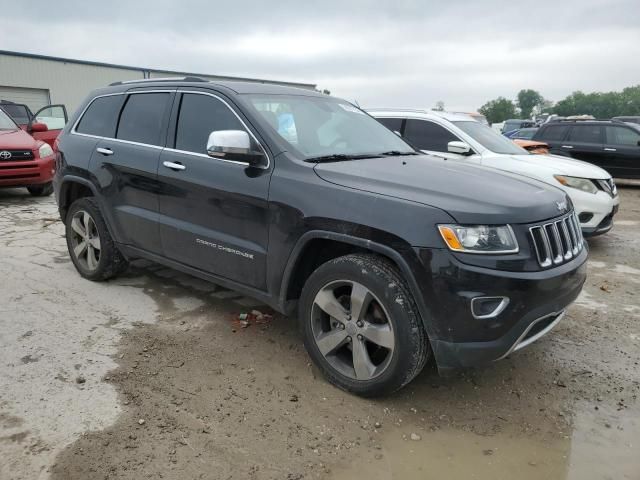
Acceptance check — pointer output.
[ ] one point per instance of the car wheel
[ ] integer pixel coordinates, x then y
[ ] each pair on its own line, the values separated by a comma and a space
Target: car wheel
90, 245
43, 190
361, 326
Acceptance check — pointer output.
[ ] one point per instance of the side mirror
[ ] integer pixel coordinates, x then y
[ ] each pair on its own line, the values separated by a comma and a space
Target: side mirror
38, 127
234, 145
461, 148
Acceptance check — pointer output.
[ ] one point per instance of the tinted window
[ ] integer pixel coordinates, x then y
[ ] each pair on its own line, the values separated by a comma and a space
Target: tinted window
622, 136
490, 139
199, 116
552, 132
428, 135
585, 134
393, 124
18, 112
142, 117
101, 117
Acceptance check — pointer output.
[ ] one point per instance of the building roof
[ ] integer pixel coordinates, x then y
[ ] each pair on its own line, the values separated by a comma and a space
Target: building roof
146, 71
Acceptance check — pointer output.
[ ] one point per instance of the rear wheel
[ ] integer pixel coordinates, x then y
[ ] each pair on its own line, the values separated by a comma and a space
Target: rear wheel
361, 326
43, 190
90, 245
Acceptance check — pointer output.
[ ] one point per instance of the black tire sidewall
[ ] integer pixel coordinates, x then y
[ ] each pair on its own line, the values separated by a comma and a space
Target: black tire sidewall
108, 253
377, 275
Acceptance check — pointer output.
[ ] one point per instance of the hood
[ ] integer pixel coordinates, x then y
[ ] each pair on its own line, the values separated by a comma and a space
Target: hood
470, 194
552, 164
17, 140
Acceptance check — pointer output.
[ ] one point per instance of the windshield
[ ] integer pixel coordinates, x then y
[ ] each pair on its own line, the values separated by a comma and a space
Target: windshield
490, 139
18, 112
323, 126
6, 123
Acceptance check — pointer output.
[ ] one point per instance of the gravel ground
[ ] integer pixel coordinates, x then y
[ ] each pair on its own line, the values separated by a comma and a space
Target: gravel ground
152, 376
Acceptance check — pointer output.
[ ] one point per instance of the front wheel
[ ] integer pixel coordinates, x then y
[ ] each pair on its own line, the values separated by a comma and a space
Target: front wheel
361, 326
43, 190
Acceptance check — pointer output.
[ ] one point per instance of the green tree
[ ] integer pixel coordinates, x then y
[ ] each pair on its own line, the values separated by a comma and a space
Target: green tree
601, 104
528, 100
498, 110
439, 106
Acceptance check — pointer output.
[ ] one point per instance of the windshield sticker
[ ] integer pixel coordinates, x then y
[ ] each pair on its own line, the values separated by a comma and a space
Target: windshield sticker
287, 127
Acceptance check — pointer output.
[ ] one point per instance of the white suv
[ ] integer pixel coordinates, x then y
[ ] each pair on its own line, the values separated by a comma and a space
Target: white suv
461, 138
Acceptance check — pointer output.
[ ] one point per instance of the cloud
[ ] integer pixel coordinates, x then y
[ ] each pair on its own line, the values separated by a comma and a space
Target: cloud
400, 53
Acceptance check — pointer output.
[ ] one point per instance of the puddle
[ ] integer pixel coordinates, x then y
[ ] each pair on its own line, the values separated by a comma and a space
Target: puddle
459, 455
603, 445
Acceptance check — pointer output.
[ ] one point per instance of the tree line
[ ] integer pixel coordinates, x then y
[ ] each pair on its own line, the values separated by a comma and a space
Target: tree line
530, 102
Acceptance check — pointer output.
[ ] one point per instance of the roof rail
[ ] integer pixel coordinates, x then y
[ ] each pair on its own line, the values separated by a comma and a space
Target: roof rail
558, 120
165, 79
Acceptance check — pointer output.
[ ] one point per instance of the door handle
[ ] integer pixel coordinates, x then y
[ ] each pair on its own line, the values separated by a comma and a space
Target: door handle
174, 165
104, 151
610, 150
567, 146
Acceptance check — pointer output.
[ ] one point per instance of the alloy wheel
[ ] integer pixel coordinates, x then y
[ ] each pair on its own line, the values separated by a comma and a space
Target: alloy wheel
85, 240
351, 329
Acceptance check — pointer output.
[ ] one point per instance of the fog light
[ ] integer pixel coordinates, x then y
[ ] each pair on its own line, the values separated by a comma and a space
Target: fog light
584, 217
488, 307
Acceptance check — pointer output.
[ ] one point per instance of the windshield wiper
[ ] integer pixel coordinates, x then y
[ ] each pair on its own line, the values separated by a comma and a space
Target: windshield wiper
397, 153
339, 157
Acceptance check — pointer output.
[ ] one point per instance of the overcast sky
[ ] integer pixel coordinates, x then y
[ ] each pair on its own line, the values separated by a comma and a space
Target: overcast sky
406, 53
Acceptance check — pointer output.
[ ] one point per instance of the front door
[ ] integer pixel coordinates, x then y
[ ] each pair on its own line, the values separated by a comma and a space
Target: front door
213, 213
54, 117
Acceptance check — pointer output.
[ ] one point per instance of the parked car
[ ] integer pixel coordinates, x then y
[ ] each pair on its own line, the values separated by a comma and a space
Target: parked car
522, 133
610, 144
46, 124
24, 161
537, 148
628, 119
516, 124
454, 137
303, 201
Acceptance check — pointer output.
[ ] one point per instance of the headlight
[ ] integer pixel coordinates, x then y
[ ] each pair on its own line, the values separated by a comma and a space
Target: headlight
45, 150
479, 238
583, 184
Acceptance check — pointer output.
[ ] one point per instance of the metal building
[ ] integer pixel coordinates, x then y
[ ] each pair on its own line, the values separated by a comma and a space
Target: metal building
39, 80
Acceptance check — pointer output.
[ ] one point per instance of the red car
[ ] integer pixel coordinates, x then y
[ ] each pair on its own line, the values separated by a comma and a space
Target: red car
24, 160
45, 125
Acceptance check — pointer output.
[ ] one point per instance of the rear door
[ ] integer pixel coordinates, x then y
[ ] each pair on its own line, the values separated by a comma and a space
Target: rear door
213, 212
586, 142
54, 117
622, 151
553, 135
126, 166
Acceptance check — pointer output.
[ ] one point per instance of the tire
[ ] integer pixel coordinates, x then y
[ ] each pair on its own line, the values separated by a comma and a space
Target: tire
43, 190
390, 334
99, 259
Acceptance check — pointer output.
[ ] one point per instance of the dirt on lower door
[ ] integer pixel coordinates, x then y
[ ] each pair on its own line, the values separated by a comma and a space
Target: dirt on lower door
201, 394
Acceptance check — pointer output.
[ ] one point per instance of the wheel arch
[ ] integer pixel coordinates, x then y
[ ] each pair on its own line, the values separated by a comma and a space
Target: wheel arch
295, 273
72, 188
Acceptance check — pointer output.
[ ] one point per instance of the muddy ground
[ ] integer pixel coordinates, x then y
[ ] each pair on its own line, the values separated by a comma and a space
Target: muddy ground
152, 376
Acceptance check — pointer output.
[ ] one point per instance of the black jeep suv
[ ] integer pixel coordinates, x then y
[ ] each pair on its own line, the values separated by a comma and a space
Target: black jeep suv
388, 257
610, 144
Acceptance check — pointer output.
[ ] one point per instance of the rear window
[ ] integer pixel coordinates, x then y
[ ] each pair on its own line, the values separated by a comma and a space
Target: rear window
393, 124
552, 132
586, 134
623, 136
142, 118
101, 117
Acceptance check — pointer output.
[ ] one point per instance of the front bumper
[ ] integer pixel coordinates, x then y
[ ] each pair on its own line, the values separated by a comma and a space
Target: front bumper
27, 172
536, 303
599, 208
